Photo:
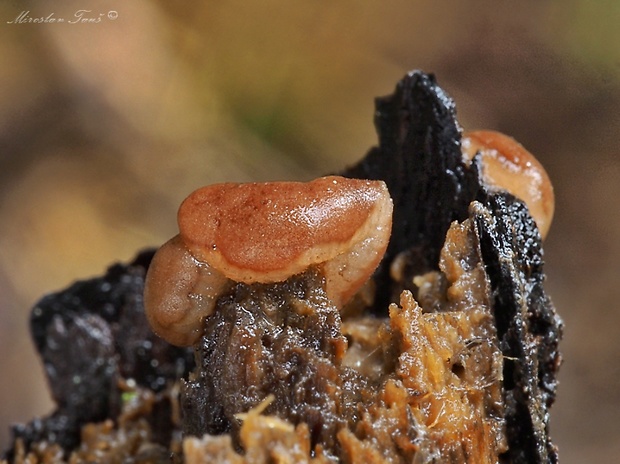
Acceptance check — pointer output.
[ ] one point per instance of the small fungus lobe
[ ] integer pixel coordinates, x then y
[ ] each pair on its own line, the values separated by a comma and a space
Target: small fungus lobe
507, 165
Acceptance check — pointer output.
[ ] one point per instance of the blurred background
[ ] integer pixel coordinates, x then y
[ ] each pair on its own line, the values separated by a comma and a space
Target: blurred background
108, 120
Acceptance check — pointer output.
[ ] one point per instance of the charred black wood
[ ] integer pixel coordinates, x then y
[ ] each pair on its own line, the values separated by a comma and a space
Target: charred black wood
529, 330
90, 336
419, 158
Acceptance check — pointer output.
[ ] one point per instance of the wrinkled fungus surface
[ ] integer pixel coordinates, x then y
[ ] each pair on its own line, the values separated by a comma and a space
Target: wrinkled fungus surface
267, 232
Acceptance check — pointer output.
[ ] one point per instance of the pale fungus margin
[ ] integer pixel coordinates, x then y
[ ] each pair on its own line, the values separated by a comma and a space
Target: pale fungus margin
265, 233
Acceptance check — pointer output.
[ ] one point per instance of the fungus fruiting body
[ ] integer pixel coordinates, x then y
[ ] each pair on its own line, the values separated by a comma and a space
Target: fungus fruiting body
264, 233
507, 165
267, 232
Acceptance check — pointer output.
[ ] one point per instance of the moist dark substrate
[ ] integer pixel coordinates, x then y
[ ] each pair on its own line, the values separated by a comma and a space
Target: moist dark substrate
376, 383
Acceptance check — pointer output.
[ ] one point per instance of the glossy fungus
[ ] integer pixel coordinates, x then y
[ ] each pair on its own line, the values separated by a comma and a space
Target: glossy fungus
507, 165
264, 233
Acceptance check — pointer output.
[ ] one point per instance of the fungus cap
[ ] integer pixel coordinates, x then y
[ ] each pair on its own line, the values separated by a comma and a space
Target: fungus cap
266, 232
507, 165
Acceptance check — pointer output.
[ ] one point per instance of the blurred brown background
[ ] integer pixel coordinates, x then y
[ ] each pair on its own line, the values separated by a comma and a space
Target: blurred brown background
105, 127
